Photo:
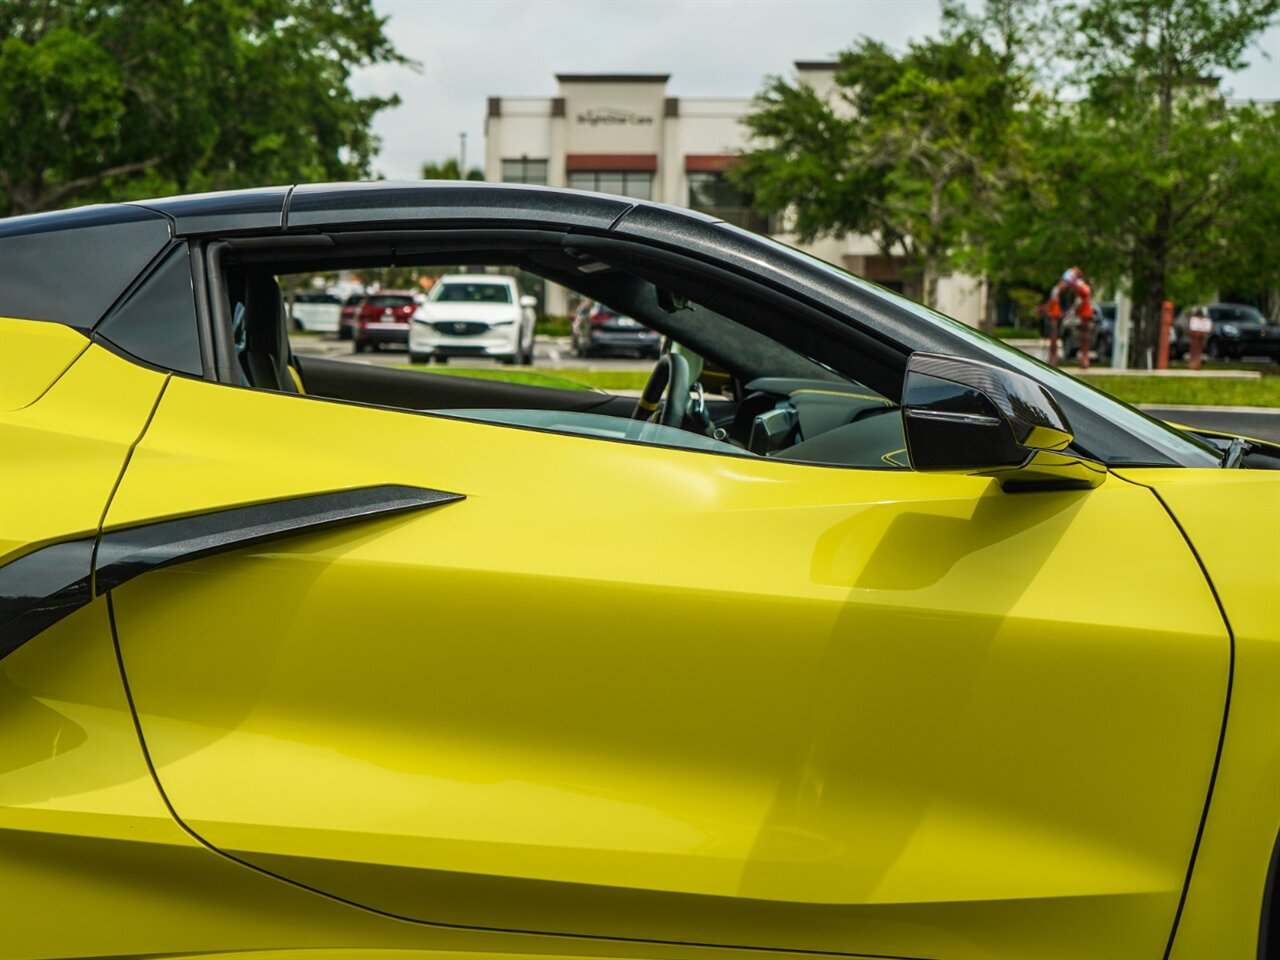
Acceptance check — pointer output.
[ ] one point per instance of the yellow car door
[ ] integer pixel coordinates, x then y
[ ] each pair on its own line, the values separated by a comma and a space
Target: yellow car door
615, 690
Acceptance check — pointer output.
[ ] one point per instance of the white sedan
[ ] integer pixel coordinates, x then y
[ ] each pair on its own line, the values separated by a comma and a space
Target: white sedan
316, 312
473, 315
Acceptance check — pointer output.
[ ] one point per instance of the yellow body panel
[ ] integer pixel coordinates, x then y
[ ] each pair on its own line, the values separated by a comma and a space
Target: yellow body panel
728, 700
92, 864
32, 356
1233, 520
61, 457
622, 691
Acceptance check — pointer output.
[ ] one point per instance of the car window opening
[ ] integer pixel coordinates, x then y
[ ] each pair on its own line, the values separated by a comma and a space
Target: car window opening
820, 324
740, 379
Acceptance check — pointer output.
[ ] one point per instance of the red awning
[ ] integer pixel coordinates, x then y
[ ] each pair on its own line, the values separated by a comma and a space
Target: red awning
627, 162
708, 162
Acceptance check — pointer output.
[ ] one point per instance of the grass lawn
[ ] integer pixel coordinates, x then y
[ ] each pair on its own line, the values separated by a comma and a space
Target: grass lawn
1016, 333
555, 326
1266, 368
1199, 391
566, 379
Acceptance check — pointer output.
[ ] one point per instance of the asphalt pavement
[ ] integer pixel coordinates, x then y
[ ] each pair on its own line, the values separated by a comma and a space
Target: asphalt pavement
1258, 422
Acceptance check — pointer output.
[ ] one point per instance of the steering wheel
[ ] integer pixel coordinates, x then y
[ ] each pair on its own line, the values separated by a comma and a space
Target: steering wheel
670, 378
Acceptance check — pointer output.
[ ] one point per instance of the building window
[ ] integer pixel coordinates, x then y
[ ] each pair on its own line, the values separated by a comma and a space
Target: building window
624, 183
713, 193
524, 170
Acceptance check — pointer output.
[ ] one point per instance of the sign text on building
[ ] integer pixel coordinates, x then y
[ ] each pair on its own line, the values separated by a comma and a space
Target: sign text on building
610, 116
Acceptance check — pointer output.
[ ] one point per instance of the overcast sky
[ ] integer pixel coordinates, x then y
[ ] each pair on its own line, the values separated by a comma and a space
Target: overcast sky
470, 50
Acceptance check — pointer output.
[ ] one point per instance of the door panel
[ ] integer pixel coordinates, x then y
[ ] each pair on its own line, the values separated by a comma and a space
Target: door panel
628, 691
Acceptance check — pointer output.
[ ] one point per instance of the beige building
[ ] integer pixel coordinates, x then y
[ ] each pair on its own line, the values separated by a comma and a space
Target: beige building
622, 134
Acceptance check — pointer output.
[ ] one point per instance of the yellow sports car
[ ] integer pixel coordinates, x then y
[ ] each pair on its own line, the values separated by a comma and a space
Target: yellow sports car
855, 634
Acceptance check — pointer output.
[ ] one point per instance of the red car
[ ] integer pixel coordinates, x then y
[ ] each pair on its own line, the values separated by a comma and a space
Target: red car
372, 319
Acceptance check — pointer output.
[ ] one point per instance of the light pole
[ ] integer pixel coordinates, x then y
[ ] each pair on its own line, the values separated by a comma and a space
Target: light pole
462, 160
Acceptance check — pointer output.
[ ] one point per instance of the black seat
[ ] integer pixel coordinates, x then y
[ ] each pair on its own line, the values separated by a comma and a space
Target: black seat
265, 357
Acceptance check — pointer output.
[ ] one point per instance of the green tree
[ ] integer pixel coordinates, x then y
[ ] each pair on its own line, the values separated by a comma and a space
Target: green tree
101, 99
449, 170
1153, 180
1017, 236
1245, 251
963, 152
1164, 169
902, 152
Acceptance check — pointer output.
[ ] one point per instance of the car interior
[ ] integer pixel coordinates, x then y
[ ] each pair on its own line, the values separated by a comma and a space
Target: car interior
738, 374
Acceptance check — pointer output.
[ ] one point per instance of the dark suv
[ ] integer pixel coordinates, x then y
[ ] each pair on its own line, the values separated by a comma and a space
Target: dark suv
1239, 330
597, 330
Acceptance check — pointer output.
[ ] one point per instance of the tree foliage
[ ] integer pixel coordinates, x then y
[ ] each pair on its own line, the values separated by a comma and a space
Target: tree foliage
901, 152
105, 99
449, 170
1244, 253
1180, 182
962, 151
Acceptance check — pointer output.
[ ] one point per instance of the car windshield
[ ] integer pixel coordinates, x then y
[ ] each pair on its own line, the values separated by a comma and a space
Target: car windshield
387, 300
1235, 313
454, 292
1180, 447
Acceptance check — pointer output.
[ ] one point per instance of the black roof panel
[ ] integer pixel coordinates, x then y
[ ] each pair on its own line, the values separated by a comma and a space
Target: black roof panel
233, 211
389, 203
96, 215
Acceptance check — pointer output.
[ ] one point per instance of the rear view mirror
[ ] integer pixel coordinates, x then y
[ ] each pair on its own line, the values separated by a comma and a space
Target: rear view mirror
964, 416
528, 301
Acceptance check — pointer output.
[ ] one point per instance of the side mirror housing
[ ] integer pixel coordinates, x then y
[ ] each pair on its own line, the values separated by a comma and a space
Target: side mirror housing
965, 416
528, 301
